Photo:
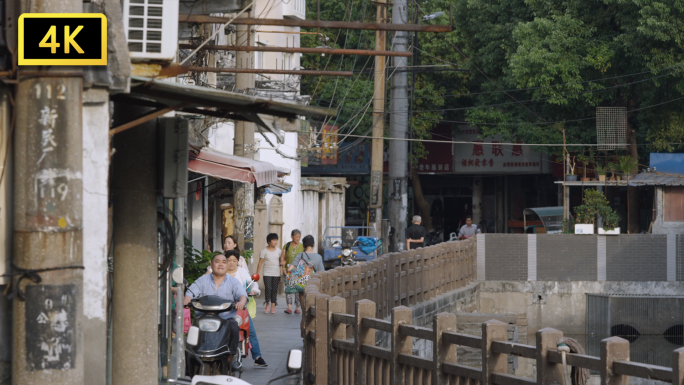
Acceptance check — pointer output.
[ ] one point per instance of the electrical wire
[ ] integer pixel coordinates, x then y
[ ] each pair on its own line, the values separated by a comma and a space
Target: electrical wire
530, 101
540, 87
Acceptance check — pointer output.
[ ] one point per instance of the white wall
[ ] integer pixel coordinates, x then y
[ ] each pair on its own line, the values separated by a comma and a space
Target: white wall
291, 200
222, 137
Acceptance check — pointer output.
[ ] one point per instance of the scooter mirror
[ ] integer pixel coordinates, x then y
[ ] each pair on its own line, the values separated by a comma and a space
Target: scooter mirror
294, 361
177, 275
193, 336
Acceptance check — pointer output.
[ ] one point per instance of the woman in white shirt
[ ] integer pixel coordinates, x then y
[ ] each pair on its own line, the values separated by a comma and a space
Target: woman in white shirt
269, 259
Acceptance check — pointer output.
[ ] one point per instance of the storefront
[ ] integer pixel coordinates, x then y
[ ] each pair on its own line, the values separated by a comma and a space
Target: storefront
492, 183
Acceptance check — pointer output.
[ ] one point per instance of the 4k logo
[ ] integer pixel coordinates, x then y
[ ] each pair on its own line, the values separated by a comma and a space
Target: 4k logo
62, 39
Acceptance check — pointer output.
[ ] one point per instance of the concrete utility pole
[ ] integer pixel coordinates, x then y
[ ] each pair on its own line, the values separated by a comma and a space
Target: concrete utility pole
398, 149
377, 151
244, 143
135, 307
48, 222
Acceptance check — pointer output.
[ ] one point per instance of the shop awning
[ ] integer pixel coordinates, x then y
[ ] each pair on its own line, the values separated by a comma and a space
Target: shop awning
657, 179
167, 96
553, 211
278, 188
225, 166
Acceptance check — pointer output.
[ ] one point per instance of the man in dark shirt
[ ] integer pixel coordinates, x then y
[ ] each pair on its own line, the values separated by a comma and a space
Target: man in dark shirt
415, 235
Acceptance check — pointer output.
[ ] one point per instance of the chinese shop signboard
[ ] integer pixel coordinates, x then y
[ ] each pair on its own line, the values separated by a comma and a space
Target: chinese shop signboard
488, 156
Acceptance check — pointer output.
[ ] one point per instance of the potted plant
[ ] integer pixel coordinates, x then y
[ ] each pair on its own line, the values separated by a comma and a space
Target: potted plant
626, 164
586, 160
601, 173
571, 163
610, 222
611, 167
593, 205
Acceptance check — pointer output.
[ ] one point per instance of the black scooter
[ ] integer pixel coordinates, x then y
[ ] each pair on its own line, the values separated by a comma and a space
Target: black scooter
207, 351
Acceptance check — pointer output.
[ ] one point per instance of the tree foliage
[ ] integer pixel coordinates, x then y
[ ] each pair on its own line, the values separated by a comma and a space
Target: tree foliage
556, 61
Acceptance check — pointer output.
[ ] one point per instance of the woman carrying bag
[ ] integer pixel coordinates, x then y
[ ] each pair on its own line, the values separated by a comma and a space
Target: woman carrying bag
303, 265
290, 251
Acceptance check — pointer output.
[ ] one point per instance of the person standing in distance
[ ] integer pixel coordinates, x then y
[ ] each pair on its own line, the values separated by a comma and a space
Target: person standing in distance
415, 235
468, 230
269, 259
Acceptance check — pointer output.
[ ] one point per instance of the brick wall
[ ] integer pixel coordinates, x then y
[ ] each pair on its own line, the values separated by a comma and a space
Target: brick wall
636, 257
508, 260
569, 257
566, 257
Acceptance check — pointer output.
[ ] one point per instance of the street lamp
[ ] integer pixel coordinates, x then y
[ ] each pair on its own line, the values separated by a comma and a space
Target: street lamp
432, 16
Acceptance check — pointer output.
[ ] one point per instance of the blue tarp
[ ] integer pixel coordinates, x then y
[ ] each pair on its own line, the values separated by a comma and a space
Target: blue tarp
367, 244
667, 163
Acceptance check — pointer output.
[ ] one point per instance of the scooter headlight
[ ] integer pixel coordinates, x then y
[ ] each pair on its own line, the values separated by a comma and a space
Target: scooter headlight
209, 325
238, 319
346, 252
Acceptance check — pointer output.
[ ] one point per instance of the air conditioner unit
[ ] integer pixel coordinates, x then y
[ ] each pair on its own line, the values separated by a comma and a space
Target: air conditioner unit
151, 29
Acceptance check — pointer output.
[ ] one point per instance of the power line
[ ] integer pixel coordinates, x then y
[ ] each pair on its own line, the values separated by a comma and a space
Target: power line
530, 101
543, 87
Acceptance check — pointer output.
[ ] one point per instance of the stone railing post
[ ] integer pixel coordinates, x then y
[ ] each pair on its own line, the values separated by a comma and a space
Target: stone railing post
678, 367
322, 340
355, 288
335, 331
392, 281
411, 291
403, 278
548, 372
442, 352
364, 309
492, 330
420, 276
613, 349
401, 344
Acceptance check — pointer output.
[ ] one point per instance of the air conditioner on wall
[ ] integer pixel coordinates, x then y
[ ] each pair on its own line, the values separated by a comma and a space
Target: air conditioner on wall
151, 29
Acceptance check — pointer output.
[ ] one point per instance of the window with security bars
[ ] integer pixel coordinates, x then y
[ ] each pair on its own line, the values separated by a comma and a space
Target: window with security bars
611, 127
151, 28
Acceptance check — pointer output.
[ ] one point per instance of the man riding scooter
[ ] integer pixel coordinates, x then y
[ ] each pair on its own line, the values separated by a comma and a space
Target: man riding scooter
220, 284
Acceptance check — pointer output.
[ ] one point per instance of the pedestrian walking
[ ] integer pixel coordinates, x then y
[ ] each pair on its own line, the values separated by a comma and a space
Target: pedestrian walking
310, 256
290, 251
269, 259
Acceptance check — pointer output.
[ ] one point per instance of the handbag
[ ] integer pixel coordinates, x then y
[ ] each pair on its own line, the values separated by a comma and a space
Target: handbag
297, 279
186, 320
251, 307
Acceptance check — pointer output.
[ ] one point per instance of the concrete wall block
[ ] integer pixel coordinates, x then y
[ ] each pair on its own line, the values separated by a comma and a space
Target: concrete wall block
507, 257
566, 257
636, 257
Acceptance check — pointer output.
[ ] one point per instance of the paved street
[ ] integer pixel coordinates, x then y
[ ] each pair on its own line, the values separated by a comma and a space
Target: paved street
278, 333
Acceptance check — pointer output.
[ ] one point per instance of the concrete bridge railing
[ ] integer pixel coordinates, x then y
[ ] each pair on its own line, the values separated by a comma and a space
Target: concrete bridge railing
344, 307
391, 280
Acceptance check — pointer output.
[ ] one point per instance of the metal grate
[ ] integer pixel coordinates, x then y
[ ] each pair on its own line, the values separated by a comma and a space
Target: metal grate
611, 127
654, 325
